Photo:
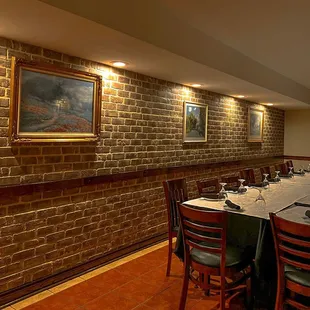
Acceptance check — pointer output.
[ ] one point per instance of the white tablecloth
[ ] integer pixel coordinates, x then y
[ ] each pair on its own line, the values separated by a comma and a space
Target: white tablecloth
278, 196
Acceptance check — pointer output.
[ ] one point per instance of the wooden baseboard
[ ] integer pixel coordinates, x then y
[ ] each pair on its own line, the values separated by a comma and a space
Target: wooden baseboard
26, 290
307, 158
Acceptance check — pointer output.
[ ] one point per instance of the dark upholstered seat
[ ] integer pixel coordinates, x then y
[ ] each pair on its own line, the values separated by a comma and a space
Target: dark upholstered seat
234, 257
301, 277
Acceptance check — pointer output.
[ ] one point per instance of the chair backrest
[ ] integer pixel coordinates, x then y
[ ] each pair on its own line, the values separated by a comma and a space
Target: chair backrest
248, 175
282, 168
265, 170
231, 180
289, 163
175, 191
204, 230
208, 186
292, 243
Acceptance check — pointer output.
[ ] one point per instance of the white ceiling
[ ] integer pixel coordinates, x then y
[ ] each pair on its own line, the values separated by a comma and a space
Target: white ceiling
231, 47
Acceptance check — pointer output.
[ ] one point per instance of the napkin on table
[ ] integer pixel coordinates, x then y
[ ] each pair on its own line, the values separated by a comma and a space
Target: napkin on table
232, 205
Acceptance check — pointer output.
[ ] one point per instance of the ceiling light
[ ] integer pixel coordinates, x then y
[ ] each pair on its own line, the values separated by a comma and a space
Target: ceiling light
240, 96
270, 104
196, 85
118, 64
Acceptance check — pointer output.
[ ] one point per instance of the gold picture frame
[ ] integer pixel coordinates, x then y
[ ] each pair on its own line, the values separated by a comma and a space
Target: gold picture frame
53, 104
255, 125
195, 122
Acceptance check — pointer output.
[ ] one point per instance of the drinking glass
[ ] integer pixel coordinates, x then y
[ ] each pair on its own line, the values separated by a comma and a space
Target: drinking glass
223, 192
277, 178
241, 188
302, 170
291, 173
260, 197
265, 182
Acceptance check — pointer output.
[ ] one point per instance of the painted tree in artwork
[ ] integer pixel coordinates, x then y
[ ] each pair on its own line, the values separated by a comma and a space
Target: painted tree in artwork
191, 122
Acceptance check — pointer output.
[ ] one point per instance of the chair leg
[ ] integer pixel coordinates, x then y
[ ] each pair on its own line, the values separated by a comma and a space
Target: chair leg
280, 294
222, 293
169, 256
184, 288
207, 292
249, 298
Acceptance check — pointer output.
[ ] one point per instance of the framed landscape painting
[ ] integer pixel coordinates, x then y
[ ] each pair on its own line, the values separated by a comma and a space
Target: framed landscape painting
255, 125
195, 122
53, 104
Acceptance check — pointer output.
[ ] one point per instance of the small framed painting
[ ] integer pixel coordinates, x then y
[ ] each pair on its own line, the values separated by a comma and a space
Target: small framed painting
255, 125
195, 122
53, 104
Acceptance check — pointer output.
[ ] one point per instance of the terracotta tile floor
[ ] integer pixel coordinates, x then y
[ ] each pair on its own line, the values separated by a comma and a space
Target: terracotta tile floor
135, 282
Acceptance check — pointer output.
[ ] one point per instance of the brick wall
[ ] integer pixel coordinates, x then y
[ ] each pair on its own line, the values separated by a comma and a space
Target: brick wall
48, 232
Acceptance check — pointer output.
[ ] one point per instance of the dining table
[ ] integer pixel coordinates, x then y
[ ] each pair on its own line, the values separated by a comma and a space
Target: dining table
250, 226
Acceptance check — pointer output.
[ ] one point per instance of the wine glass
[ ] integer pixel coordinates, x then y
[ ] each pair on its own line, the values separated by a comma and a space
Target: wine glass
223, 192
291, 173
265, 181
277, 178
260, 197
241, 188
302, 170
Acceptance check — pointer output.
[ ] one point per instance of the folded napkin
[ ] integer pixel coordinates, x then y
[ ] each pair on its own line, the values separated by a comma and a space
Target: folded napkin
231, 188
307, 213
306, 170
256, 184
299, 172
232, 205
210, 195
284, 176
274, 180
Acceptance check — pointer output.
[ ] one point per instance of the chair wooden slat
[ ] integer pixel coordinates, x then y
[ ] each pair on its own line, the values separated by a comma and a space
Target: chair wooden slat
203, 228
296, 304
201, 237
293, 240
294, 251
294, 263
204, 247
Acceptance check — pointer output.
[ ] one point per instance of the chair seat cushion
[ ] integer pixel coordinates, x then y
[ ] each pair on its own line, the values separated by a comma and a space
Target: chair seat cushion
298, 276
234, 257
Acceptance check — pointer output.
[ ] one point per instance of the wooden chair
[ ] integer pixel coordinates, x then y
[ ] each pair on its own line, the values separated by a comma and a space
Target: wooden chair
206, 253
175, 191
248, 175
282, 168
208, 186
289, 163
265, 170
292, 245
231, 180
